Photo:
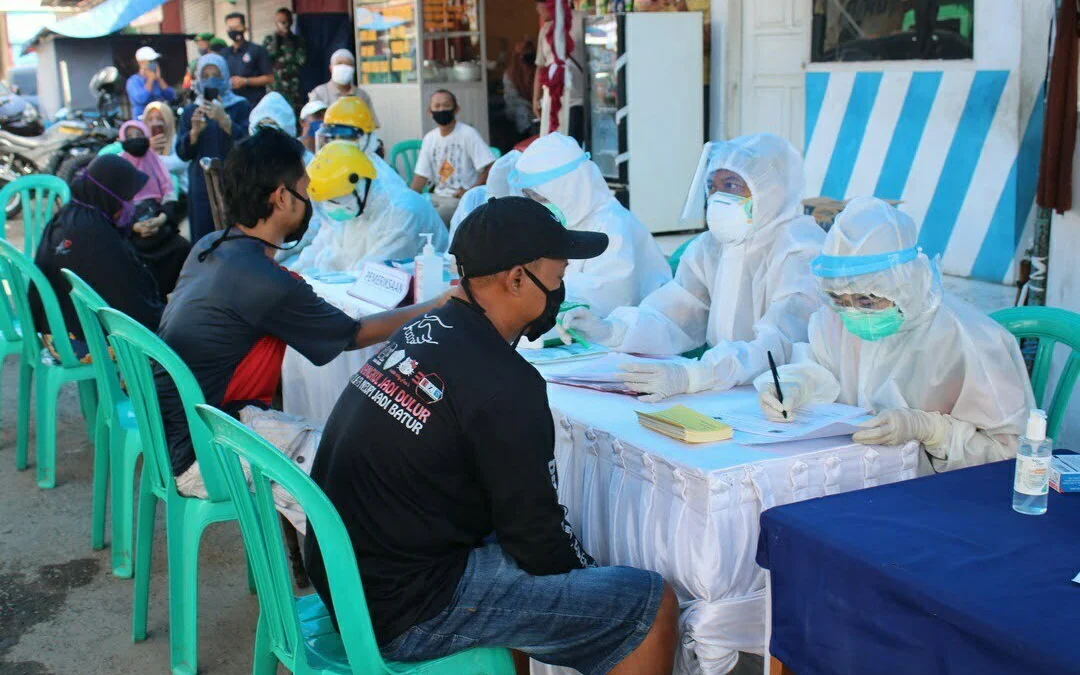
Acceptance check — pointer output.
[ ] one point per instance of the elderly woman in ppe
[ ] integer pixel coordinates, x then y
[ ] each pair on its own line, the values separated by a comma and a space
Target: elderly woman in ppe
743, 288
557, 173
496, 187
362, 221
933, 370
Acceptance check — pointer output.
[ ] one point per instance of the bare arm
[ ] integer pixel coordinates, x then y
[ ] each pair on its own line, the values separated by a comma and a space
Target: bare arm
379, 327
482, 178
418, 182
259, 80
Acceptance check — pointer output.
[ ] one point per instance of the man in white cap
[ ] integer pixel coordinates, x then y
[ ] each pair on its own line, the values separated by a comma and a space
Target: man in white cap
311, 116
342, 83
147, 85
555, 172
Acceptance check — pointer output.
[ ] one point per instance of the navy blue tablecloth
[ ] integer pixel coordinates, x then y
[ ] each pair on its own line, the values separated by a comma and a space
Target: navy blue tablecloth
933, 575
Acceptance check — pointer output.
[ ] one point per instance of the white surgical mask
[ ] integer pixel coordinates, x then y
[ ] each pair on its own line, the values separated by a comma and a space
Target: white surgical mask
342, 74
728, 217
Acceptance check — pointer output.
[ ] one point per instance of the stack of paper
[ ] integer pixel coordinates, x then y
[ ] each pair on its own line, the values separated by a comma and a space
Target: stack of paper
563, 353
818, 420
600, 373
686, 425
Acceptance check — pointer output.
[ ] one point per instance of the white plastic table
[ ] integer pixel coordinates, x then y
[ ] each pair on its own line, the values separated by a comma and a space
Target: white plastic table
690, 512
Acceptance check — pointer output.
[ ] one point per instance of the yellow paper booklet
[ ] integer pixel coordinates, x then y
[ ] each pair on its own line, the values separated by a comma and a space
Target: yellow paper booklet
684, 424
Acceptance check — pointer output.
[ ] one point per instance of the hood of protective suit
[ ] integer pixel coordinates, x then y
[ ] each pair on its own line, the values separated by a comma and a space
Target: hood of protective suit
275, 107
871, 227
577, 193
388, 229
498, 176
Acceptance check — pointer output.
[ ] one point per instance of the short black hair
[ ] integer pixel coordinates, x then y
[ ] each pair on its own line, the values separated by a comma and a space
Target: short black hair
443, 91
286, 11
237, 15
256, 167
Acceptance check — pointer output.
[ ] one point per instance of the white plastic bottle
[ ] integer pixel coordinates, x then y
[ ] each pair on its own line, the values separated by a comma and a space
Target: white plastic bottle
429, 272
1031, 483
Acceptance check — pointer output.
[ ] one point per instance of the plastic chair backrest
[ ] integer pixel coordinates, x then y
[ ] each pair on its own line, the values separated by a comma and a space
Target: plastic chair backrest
260, 526
495, 151
22, 274
408, 152
114, 148
87, 303
1050, 325
673, 261
38, 193
137, 350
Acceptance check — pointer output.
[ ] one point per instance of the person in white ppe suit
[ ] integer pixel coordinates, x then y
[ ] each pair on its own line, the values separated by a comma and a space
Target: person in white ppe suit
743, 288
496, 187
273, 110
555, 171
932, 369
362, 221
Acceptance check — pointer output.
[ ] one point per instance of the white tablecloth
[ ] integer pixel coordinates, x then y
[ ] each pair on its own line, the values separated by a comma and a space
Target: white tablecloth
690, 512
311, 391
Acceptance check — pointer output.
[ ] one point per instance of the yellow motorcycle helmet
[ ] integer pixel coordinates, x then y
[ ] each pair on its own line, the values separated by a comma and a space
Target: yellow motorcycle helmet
350, 111
336, 170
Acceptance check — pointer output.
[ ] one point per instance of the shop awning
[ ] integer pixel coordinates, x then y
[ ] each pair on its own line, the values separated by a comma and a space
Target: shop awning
104, 19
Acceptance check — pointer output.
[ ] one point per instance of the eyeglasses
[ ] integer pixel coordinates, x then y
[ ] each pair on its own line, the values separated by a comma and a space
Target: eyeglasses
863, 303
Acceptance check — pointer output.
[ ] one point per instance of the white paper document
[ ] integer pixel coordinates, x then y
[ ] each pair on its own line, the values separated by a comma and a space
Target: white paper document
817, 420
597, 373
563, 353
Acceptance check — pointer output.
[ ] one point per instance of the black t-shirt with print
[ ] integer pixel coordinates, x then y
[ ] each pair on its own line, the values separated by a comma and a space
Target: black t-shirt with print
441, 439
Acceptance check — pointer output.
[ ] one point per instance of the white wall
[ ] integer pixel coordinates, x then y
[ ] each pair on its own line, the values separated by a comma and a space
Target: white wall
1063, 290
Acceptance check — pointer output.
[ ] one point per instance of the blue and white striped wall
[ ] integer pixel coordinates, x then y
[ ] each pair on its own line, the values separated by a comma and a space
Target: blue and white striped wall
957, 147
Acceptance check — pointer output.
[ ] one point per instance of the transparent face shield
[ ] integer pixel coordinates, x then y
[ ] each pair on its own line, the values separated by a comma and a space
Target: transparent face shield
328, 133
712, 180
865, 284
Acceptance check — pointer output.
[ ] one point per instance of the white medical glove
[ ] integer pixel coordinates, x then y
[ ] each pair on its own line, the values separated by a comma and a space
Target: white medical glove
795, 396
900, 425
656, 380
591, 327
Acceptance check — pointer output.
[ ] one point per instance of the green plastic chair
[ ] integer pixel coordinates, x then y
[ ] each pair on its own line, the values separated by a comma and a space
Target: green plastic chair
49, 375
495, 151
298, 632
114, 148
136, 349
403, 158
116, 435
11, 338
38, 193
676, 257
1048, 325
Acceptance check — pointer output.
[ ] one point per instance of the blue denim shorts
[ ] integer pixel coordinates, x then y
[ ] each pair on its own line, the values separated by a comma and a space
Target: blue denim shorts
588, 619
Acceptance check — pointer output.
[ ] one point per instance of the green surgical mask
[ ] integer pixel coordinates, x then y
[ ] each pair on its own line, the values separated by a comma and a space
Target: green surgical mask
557, 211
872, 326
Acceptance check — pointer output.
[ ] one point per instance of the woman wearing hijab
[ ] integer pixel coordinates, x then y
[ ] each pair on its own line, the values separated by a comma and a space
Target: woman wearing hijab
156, 232
209, 128
161, 122
90, 237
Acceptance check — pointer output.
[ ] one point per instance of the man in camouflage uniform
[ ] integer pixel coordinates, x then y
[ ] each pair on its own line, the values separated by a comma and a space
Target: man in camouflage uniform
287, 53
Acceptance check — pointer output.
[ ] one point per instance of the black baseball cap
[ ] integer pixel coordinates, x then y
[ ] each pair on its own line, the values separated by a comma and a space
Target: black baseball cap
510, 231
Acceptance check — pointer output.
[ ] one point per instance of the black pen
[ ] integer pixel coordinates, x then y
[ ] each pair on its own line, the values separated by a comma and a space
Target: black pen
776, 381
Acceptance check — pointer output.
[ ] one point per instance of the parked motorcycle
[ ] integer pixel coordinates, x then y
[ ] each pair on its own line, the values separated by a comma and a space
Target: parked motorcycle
66, 146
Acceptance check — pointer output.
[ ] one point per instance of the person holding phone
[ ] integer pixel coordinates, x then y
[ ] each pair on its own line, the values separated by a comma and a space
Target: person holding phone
209, 127
147, 85
161, 121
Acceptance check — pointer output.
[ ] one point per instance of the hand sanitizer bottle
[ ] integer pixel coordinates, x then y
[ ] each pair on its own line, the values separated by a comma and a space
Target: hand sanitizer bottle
429, 272
1032, 480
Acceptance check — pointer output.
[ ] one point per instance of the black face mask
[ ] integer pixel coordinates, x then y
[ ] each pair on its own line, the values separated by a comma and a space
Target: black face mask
547, 318
210, 93
236, 35
136, 147
298, 233
529, 58
442, 117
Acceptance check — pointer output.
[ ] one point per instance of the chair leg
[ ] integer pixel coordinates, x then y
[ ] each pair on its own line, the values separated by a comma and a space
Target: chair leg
265, 661
184, 534
88, 400
125, 456
22, 435
144, 545
48, 387
102, 436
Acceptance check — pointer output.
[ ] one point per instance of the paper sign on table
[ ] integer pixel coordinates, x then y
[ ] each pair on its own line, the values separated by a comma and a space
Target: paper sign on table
818, 420
684, 424
380, 285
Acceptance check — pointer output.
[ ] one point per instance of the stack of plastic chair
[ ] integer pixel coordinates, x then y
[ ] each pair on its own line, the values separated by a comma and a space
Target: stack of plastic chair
38, 194
298, 632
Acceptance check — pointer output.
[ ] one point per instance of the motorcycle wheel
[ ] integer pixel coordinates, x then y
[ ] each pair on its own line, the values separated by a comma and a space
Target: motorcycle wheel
14, 205
72, 165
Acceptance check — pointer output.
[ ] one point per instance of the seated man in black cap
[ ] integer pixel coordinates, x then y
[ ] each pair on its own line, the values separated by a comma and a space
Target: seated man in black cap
444, 438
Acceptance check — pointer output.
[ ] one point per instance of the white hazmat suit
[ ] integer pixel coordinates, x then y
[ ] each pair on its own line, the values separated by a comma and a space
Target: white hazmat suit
556, 170
744, 292
495, 188
937, 371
